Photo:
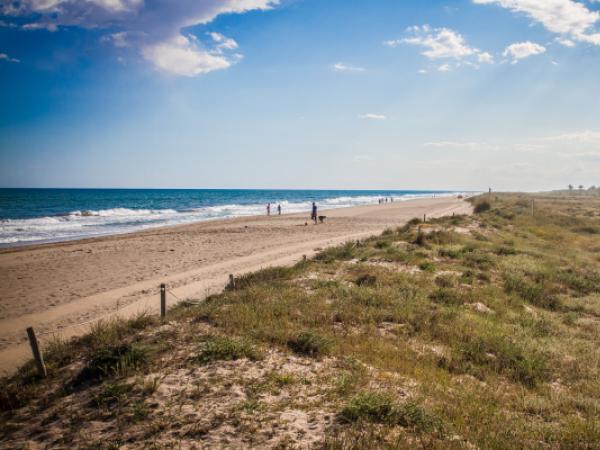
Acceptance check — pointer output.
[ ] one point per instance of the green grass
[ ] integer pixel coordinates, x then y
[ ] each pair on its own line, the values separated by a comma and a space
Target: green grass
220, 348
382, 408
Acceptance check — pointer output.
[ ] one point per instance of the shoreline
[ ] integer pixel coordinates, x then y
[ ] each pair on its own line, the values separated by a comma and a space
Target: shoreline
7, 246
70, 282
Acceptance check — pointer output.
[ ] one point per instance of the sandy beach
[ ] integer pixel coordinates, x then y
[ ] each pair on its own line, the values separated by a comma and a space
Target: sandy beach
57, 287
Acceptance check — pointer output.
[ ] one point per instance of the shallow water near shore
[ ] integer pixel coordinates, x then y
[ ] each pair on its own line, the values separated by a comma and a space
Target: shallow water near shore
30, 216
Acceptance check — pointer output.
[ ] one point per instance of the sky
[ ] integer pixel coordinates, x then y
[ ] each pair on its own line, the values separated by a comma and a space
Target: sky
300, 94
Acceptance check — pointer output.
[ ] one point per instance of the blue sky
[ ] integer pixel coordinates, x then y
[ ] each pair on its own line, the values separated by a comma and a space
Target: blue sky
381, 94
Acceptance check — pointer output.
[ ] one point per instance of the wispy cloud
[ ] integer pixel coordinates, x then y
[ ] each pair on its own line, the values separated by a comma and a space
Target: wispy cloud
153, 28
342, 67
370, 116
571, 19
5, 57
223, 43
522, 50
585, 136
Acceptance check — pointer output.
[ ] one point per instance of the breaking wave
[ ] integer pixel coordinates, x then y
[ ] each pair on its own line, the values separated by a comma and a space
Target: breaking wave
89, 223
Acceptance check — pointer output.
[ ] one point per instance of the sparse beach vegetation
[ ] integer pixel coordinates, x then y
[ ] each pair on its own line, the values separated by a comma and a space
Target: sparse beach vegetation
475, 331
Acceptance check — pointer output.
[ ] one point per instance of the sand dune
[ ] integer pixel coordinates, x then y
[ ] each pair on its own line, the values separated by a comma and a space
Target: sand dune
55, 287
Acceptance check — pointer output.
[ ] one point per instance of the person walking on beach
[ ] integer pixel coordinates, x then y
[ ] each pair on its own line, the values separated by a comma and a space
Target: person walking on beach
268, 209
313, 215
279, 209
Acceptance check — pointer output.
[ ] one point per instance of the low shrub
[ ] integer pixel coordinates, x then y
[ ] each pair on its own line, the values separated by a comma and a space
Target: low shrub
366, 280
309, 344
445, 281
427, 266
503, 356
536, 293
380, 407
579, 281
447, 296
589, 229
343, 252
221, 348
110, 361
482, 207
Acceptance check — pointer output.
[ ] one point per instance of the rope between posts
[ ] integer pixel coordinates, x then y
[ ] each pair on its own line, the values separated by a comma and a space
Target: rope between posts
87, 322
174, 295
57, 331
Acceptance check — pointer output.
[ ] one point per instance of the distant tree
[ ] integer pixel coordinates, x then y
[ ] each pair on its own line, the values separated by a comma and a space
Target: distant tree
570, 187
581, 187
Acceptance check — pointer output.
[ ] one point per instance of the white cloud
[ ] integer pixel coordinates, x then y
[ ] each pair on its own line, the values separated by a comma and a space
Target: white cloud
585, 136
569, 18
181, 56
223, 43
444, 68
5, 57
393, 42
117, 39
439, 42
341, 67
485, 57
566, 42
371, 116
153, 28
443, 43
522, 50
51, 27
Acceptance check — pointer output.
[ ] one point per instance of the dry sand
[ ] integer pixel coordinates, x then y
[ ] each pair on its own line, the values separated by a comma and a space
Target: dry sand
55, 287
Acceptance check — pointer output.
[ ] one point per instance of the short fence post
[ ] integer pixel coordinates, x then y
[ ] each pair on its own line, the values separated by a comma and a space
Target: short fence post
37, 355
533, 207
424, 218
303, 258
163, 301
231, 281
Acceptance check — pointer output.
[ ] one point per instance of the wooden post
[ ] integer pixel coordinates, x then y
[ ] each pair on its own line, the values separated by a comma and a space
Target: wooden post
37, 355
424, 218
231, 281
533, 207
303, 258
163, 301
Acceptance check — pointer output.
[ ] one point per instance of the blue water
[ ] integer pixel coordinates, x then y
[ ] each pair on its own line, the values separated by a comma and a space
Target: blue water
49, 215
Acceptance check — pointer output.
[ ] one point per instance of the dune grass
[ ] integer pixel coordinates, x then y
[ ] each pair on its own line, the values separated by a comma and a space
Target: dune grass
466, 332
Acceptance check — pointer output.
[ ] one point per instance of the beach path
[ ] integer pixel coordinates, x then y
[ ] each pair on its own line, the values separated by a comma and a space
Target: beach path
56, 287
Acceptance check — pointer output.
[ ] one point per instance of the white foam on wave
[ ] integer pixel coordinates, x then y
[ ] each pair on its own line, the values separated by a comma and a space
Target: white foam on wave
82, 224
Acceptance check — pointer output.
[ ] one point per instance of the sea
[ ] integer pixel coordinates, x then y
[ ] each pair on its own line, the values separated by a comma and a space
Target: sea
29, 216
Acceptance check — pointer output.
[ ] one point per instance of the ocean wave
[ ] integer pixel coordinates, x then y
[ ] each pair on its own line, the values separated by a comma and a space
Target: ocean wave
87, 223
121, 212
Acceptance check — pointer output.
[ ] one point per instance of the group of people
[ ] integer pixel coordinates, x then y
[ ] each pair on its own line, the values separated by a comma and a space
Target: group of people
313, 214
385, 200
269, 209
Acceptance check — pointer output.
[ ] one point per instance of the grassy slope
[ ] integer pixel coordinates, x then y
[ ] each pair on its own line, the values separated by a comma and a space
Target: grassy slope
476, 331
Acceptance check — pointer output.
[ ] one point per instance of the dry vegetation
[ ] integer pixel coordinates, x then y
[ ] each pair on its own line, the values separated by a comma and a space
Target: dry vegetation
467, 332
